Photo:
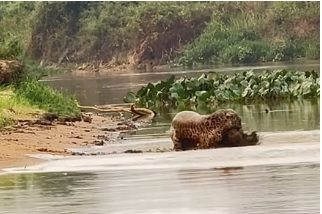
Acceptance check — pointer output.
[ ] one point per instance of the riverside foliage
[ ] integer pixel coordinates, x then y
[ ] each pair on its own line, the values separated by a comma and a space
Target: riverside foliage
242, 87
48, 99
28, 97
185, 33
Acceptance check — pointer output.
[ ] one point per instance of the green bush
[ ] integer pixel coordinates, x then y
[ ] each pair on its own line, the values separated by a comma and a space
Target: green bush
226, 44
255, 35
312, 50
181, 32
245, 52
48, 99
10, 46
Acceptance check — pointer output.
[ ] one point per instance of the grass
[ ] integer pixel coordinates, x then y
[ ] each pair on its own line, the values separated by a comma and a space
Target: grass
49, 99
13, 107
31, 98
26, 96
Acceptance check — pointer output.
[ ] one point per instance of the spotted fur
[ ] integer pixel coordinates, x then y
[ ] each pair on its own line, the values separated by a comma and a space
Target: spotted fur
190, 130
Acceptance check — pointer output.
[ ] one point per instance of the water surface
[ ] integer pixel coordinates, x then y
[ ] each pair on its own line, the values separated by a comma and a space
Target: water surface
259, 179
280, 175
110, 88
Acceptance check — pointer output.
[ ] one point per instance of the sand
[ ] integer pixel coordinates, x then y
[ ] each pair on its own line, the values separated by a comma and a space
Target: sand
20, 140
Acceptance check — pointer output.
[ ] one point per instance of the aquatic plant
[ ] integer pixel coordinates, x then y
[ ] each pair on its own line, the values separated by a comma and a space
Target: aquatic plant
213, 87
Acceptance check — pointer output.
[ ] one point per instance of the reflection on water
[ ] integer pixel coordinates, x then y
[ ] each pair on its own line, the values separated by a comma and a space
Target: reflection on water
49, 184
259, 189
31, 193
283, 116
282, 175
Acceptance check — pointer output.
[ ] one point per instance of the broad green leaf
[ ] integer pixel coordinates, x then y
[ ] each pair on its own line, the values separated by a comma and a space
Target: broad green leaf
277, 82
251, 82
216, 83
161, 85
192, 84
264, 84
177, 88
202, 79
159, 93
306, 87
174, 95
130, 98
255, 88
249, 74
217, 93
285, 89
226, 95
236, 93
142, 92
212, 75
202, 95
150, 86
181, 106
202, 107
245, 92
244, 83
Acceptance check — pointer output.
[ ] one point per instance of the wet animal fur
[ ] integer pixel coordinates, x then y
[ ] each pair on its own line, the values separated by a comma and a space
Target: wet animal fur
236, 138
190, 130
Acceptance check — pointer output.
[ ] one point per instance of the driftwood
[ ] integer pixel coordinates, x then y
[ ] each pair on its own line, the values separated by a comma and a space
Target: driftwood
139, 113
105, 110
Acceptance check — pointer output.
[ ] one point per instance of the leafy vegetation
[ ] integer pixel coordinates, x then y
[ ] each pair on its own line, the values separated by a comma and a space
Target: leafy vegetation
9, 46
267, 35
12, 107
34, 97
20, 101
181, 32
48, 99
212, 88
185, 33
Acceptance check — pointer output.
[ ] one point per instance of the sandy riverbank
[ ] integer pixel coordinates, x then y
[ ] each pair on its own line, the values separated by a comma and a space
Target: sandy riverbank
22, 139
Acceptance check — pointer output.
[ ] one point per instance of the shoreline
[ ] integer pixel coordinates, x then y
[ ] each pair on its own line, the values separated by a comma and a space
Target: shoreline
24, 161
20, 140
88, 68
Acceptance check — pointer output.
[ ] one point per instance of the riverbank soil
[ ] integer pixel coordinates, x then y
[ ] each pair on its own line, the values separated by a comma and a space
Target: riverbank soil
24, 138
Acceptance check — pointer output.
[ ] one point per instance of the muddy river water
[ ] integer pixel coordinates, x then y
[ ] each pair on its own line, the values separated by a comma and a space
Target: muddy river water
280, 175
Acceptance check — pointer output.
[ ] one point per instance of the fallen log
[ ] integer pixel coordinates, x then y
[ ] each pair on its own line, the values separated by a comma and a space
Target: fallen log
142, 111
137, 112
105, 110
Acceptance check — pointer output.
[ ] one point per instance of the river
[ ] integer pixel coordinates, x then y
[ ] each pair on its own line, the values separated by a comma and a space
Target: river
280, 175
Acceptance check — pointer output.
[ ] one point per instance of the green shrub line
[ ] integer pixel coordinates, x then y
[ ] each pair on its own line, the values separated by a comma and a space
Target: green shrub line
180, 33
212, 88
224, 44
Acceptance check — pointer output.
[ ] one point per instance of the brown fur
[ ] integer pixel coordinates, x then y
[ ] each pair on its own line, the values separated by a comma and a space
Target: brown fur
190, 130
235, 138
